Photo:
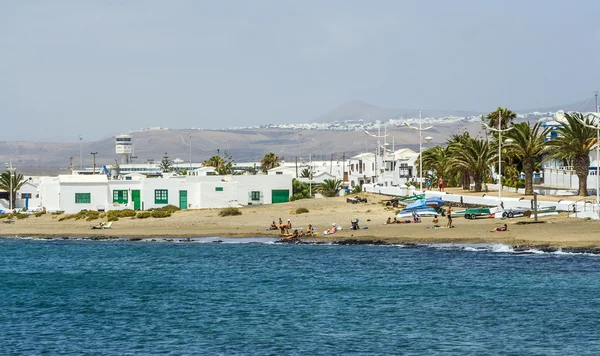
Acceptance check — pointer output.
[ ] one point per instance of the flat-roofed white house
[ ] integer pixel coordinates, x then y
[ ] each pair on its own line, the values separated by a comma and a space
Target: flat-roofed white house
73, 193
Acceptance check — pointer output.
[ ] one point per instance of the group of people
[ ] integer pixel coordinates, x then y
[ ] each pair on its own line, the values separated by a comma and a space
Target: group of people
285, 228
436, 221
441, 185
415, 219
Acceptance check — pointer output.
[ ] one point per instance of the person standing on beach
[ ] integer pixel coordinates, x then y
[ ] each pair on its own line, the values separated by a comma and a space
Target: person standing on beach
449, 215
441, 184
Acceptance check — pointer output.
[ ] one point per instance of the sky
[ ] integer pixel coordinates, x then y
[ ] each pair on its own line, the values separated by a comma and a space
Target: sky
99, 68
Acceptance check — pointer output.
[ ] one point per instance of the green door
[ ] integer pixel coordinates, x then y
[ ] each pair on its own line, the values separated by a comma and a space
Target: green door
183, 199
135, 197
280, 196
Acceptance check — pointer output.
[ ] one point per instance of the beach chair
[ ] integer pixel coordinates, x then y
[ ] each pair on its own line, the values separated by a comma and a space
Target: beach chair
107, 225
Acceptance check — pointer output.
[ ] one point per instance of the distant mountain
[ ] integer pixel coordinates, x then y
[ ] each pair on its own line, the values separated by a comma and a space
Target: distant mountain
327, 138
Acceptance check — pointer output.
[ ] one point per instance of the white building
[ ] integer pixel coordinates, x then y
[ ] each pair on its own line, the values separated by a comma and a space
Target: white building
73, 193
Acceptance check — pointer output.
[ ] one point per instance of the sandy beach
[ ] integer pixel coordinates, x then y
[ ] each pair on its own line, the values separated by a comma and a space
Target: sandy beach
557, 231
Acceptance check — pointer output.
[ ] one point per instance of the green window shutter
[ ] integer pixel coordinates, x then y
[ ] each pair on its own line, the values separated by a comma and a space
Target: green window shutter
218, 189
161, 196
83, 198
120, 196
255, 195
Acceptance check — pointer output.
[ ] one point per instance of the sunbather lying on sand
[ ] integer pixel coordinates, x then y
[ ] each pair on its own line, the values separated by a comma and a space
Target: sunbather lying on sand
293, 235
500, 228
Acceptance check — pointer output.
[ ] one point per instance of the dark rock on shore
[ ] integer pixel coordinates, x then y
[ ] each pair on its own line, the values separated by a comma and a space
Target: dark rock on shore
360, 242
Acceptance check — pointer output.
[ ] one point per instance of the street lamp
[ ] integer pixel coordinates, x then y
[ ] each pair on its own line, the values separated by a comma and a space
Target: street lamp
377, 152
427, 139
300, 137
11, 170
508, 141
597, 128
80, 154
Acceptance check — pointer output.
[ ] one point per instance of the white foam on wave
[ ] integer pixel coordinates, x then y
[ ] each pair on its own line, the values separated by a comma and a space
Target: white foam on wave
501, 248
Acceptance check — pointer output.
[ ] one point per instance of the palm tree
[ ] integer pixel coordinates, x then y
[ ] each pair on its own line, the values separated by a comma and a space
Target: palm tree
473, 156
573, 144
330, 187
17, 183
223, 164
269, 161
528, 145
306, 173
463, 173
507, 118
437, 159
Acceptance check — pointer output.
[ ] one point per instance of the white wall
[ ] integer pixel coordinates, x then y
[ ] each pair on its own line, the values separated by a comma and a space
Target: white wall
49, 188
99, 196
57, 194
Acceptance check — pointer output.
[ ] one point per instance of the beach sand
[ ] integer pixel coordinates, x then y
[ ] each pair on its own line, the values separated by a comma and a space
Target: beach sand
557, 231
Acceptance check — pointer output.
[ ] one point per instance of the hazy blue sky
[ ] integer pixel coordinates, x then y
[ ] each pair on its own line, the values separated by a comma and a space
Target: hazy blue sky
98, 68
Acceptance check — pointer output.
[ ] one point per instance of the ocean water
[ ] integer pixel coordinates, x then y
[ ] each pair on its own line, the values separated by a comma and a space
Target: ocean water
254, 297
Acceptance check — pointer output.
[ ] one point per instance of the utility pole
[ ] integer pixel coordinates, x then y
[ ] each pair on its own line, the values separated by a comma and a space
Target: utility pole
80, 154
94, 161
190, 154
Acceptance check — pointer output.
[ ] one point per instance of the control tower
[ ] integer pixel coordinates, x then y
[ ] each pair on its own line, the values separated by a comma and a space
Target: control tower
124, 147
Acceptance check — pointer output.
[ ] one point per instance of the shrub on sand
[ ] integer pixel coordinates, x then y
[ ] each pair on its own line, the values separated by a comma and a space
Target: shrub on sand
230, 212
301, 210
143, 215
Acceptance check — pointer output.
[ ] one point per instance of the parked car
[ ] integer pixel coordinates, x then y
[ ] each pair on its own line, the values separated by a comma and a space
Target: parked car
511, 213
474, 213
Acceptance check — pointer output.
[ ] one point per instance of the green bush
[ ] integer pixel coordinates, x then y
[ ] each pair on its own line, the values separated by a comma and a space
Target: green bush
170, 208
39, 213
520, 183
59, 212
230, 212
20, 216
127, 213
301, 210
144, 215
160, 214
113, 218
357, 189
2, 216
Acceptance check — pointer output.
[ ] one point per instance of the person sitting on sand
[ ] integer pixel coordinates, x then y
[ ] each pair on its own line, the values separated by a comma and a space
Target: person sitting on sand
416, 217
395, 221
309, 231
389, 221
333, 230
273, 226
435, 221
500, 228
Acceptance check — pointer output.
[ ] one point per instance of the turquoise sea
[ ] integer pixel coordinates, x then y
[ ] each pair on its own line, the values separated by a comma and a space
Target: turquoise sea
255, 297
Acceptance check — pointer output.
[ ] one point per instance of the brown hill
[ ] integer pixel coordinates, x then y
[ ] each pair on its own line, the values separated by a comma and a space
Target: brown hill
243, 145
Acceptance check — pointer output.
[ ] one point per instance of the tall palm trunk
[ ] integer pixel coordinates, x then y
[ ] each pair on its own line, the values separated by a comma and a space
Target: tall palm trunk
528, 168
581, 165
477, 179
465, 180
